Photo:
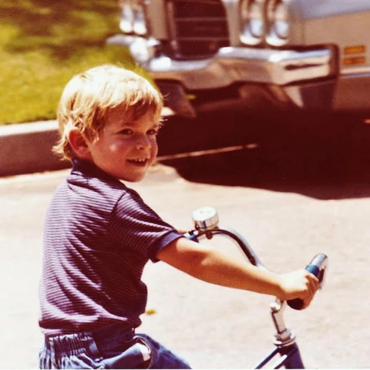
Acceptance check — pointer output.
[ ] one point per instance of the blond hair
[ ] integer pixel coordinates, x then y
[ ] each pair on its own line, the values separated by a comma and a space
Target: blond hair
89, 96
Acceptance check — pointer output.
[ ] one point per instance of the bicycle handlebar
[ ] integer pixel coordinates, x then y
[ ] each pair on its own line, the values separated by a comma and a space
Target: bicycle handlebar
316, 267
206, 225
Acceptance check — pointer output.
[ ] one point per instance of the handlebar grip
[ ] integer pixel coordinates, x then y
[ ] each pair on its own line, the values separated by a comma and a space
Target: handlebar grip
316, 267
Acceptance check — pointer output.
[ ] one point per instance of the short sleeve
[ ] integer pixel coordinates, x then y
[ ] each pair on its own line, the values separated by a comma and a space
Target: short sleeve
136, 226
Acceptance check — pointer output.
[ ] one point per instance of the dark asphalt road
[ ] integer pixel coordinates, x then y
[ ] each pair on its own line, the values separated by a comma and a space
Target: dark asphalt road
293, 193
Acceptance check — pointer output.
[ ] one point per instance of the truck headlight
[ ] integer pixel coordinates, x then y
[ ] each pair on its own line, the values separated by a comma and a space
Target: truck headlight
252, 22
133, 17
278, 22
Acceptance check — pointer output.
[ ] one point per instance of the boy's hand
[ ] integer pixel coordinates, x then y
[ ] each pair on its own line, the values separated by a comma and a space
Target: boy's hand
298, 284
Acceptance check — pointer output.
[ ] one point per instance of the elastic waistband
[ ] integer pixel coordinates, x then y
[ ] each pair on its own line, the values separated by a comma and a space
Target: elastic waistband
92, 341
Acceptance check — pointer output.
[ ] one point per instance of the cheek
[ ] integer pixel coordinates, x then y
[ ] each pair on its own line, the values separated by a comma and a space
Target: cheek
155, 148
119, 146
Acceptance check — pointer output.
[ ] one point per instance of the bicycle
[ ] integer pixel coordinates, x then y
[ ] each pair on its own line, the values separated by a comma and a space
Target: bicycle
206, 224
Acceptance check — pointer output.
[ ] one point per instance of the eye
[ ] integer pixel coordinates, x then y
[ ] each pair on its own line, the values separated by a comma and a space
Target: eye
153, 131
126, 132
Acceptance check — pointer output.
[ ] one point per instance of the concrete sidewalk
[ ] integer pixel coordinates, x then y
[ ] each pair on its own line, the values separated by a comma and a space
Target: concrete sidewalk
26, 148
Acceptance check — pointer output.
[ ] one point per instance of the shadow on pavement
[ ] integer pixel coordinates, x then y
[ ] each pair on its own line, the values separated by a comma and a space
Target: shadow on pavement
320, 157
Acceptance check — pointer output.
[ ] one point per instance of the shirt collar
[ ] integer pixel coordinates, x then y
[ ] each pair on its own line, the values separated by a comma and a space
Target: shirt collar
87, 168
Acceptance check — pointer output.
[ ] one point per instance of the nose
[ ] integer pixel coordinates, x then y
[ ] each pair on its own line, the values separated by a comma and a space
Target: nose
143, 142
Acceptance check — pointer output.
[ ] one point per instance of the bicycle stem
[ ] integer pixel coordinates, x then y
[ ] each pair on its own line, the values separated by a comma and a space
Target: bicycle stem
284, 336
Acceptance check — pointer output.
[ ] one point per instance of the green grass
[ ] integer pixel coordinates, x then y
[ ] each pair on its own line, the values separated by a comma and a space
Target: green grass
43, 43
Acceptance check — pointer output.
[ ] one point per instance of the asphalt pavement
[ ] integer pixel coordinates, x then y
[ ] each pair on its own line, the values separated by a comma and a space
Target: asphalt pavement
287, 212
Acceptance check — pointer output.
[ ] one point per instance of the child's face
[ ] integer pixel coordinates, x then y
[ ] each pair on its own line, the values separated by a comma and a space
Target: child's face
126, 148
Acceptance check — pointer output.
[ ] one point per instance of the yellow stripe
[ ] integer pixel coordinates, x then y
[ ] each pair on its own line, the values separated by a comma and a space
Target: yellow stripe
353, 61
355, 49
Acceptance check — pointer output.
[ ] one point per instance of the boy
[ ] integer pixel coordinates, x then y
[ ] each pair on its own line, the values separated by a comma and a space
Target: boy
99, 234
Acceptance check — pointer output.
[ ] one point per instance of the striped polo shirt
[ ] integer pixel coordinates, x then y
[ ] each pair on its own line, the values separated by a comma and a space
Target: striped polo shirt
99, 234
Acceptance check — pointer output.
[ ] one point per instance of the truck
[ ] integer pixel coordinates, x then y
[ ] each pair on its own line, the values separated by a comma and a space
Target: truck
258, 55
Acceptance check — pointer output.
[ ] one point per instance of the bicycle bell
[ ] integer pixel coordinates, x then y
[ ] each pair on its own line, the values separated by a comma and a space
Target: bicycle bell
205, 218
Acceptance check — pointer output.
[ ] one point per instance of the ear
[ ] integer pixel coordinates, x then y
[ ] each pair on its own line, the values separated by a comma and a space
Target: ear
79, 143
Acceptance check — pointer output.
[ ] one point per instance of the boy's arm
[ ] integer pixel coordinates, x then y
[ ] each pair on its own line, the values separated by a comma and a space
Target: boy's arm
213, 266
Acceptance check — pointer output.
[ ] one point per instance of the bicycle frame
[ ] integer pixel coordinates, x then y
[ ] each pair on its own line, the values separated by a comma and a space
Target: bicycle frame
285, 342
290, 358
206, 225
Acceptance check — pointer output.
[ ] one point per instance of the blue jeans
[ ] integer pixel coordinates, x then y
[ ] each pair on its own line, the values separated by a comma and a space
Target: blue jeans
112, 347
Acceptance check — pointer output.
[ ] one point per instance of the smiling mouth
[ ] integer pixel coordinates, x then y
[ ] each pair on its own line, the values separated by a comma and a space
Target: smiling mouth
139, 162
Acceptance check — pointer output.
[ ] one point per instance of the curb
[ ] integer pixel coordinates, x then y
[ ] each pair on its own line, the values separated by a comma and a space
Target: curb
27, 148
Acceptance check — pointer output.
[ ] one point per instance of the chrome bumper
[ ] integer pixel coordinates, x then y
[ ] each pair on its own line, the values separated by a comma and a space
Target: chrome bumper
231, 65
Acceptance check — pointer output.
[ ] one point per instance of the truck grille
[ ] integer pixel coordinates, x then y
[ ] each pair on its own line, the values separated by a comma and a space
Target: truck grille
198, 28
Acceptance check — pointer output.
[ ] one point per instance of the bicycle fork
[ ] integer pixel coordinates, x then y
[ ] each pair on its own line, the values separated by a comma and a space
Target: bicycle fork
285, 342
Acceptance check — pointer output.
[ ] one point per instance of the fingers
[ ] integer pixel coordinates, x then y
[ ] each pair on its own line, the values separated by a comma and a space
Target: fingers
299, 284
312, 286
313, 282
